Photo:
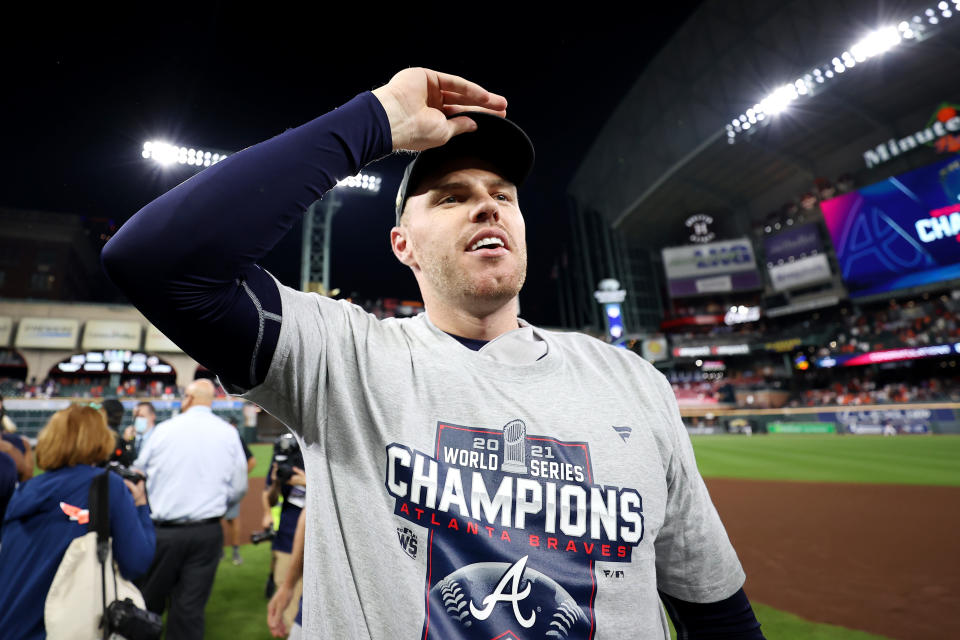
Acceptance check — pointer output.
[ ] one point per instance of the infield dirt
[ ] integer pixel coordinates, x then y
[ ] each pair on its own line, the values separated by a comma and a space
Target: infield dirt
881, 558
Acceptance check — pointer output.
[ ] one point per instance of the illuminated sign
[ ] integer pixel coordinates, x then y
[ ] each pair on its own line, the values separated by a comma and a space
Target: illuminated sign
114, 361
783, 346
937, 133
889, 355
942, 223
691, 352
721, 350
699, 225
741, 314
899, 233
716, 267
732, 350
610, 295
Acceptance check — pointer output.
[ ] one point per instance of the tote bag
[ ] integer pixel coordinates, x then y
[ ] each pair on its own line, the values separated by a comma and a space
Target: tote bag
80, 590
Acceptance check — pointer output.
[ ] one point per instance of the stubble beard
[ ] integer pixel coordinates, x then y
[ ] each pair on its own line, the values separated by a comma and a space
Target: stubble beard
477, 293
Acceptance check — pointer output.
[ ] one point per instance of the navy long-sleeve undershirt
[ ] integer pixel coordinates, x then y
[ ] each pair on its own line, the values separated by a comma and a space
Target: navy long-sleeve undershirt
188, 259
188, 262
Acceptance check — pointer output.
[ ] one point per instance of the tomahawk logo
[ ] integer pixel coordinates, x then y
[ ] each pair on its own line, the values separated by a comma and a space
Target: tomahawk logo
408, 541
511, 578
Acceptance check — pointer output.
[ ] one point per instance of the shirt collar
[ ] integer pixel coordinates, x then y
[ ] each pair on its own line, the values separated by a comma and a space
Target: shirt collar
199, 407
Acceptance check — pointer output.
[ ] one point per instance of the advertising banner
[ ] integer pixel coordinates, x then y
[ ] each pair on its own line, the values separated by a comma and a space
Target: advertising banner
799, 272
716, 267
888, 355
156, 342
655, 349
110, 334
898, 233
875, 422
6, 328
795, 258
48, 333
802, 427
715, 350
800, 241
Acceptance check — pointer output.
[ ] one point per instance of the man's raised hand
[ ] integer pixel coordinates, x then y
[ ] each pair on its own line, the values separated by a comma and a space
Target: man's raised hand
418, 101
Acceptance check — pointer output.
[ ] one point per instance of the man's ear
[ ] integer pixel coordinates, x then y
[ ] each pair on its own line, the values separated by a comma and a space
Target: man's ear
401, 246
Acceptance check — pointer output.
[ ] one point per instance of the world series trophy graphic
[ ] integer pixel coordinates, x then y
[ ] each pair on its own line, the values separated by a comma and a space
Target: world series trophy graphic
514, 447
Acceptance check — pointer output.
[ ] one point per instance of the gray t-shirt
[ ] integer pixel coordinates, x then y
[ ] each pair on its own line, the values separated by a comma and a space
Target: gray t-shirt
542, 487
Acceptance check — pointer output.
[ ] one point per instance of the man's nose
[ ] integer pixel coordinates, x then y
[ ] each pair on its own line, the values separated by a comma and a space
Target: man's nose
485, 208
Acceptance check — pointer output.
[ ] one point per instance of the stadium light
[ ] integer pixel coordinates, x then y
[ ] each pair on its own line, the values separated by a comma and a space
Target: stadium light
361, 181
315, 247
873, 44
166, 154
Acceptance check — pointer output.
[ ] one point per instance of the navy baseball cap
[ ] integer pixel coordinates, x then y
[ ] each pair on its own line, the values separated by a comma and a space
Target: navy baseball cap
495, 140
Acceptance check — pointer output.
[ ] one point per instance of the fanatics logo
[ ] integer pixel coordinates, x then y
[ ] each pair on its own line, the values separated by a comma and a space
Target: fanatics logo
623, 432
408, 541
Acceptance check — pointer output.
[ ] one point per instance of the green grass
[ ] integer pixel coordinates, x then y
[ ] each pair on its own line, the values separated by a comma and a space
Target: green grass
262, 453
915, 460
237, 609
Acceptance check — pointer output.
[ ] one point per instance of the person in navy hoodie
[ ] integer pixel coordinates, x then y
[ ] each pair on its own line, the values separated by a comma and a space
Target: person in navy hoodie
47, 512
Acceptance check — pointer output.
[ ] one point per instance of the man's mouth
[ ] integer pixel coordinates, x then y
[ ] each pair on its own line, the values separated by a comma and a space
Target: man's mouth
491, 242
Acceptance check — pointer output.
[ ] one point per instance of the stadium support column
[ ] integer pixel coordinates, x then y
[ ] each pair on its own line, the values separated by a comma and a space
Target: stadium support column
315, 247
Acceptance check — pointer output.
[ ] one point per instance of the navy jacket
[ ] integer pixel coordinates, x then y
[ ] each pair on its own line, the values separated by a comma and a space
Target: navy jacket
37, 531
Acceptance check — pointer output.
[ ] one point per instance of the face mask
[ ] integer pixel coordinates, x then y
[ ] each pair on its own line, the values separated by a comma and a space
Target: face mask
140, 424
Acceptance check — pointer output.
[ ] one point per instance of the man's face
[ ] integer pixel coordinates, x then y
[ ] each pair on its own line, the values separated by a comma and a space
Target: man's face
463, 235
144, 412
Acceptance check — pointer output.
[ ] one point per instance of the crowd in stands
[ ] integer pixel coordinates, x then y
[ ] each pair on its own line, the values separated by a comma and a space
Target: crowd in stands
913, 323
857, 391
84, 387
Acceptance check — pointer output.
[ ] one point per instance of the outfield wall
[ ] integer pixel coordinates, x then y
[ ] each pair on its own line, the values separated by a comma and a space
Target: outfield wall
940, 417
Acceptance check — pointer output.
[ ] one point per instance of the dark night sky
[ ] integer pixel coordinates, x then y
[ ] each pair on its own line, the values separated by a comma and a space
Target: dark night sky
82, 92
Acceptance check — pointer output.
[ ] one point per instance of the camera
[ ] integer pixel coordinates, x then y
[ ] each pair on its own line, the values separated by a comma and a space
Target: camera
287, 455
125, 472
262, 536
126, 619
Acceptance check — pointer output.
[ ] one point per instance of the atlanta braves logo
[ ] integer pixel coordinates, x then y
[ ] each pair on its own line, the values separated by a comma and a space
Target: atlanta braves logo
511, 577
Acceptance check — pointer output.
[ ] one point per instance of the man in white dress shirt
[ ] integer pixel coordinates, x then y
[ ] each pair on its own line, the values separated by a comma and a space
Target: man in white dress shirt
195, 470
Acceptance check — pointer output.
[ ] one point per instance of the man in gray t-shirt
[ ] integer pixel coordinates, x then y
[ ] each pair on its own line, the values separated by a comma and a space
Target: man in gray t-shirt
476, 477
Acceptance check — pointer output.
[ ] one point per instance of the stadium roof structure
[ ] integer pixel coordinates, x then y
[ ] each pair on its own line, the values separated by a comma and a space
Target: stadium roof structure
669, 149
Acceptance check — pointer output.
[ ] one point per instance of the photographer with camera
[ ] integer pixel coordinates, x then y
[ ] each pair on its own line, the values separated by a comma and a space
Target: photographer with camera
286, 479
47, 513
195, 471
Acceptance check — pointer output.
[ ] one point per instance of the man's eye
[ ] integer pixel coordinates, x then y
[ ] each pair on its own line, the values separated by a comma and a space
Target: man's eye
449, 200
502, 196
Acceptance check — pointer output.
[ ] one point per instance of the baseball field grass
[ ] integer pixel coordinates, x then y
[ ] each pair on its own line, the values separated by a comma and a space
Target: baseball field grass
237, 608
912, 460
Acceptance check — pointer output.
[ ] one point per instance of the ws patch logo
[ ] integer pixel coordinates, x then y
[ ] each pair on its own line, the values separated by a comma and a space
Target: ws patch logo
515, 524
408, 541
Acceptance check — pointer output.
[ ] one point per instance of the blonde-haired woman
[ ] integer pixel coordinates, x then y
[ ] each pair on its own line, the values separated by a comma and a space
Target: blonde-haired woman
46, 514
